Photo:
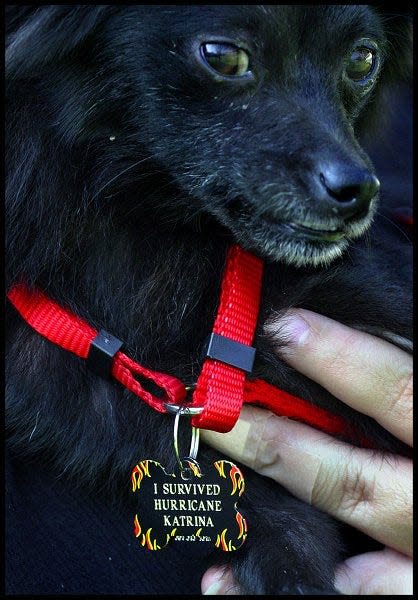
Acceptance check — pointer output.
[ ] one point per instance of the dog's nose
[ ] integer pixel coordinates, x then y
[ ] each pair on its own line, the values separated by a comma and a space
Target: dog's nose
348, 189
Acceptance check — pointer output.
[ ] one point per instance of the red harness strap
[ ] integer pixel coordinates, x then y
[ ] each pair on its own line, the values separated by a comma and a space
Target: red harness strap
221, 388
282, 403
71, 333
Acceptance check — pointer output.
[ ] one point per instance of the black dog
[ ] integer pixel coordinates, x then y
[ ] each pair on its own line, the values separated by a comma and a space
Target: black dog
142, 142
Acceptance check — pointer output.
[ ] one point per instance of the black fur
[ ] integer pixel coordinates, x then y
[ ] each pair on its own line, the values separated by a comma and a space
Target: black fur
131, 233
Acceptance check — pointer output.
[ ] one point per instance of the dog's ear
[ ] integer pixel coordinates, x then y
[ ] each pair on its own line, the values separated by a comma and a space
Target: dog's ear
36, 35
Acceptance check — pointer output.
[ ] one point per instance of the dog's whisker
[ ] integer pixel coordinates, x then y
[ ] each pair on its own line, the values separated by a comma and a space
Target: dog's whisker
395, 225
118, 175
36, 425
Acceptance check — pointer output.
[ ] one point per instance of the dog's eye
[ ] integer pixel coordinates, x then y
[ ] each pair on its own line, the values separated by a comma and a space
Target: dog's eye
360, 64
226, 59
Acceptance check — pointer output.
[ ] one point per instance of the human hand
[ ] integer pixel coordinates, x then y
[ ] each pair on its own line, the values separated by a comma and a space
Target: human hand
368, 490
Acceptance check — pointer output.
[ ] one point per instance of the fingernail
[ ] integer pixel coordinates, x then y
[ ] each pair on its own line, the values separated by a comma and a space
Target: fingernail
291, 329
214, 589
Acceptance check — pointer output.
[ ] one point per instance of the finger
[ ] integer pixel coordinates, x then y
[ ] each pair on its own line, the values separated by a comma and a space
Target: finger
371, 491
218, 581
370, 374
381, 573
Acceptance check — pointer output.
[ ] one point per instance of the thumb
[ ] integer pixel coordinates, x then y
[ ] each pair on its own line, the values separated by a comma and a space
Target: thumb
218, 581
382, 573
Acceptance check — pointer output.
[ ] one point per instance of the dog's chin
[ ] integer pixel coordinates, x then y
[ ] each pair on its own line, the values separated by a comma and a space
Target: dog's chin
296, 243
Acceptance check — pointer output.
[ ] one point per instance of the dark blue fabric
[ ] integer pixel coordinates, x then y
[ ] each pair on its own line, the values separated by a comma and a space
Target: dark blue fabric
61, 540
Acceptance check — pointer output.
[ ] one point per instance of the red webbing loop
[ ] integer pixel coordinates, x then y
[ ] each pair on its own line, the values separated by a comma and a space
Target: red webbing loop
220, 387
283, 404
71, 333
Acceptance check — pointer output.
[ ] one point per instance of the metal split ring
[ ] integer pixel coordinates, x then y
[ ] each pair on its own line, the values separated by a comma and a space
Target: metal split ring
194, 444
186, 410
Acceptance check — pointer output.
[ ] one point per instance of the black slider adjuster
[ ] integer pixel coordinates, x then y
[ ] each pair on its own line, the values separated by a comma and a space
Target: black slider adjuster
102, 350
230, 352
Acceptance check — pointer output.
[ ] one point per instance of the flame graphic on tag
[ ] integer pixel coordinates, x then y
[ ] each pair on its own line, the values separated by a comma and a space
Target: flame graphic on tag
219, 464
137, 527
235, 474
242, 523
138, 473
194, 468
237, 481
221, 541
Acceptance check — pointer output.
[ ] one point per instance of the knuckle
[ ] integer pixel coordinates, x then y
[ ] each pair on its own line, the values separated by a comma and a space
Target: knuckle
343, 490
357, 490
325, 485
265, 453
399, 404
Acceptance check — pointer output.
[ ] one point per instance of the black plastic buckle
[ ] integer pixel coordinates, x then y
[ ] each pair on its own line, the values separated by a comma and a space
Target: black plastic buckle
230, 352
102, 350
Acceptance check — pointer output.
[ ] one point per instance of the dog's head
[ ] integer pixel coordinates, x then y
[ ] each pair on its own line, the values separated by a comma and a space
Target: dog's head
247, 114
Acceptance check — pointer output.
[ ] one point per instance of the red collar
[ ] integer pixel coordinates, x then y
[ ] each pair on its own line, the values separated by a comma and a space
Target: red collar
222, 386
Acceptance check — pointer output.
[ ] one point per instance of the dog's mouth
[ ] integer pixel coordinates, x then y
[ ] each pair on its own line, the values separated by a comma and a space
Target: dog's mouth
300, 241
313, 231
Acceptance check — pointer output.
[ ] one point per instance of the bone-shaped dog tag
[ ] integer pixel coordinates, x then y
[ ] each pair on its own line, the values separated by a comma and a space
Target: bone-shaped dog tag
188, 506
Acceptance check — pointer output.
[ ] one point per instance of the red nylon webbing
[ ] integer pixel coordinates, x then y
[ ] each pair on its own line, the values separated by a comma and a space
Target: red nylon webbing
220, 387
71, 333
284, 404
